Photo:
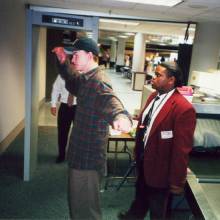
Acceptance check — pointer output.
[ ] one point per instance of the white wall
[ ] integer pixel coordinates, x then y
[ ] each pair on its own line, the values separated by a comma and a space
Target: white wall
205, 47
12, 65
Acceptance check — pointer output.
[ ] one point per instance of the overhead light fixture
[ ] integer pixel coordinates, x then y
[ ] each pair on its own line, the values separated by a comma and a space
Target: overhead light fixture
89, 34
130, 34
169, 3
122, 36
166, 38
154, 39
119, 22
113, 38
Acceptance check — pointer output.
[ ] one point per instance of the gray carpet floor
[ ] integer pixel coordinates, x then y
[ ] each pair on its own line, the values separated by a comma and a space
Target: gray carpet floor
44, 197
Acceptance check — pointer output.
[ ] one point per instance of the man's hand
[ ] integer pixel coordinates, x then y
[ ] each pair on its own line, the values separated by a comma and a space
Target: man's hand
177, 190
60, 53
53, 111
122, 124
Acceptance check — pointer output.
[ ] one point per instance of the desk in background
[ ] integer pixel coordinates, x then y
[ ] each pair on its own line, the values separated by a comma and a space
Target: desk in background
124, 138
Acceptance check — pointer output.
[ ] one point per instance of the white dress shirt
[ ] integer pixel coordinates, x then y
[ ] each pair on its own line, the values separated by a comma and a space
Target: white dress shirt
156, 109
59, 92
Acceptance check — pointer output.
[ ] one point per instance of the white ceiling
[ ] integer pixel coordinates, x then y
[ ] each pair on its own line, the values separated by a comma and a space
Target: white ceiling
187, 11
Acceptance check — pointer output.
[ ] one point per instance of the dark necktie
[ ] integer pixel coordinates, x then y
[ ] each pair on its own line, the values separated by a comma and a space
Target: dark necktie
142, 131
148, 116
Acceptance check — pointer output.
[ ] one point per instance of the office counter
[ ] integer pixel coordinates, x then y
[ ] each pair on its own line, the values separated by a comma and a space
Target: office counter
207, 106
212, 193
203, 184
203, 199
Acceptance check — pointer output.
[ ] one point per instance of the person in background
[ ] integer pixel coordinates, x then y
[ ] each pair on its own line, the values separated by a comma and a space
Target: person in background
105, 58
65, 115
162, 59
127, 60
97, 108
164, 139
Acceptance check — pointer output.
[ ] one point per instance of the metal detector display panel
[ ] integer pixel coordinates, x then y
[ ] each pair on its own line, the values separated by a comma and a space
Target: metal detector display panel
62, 20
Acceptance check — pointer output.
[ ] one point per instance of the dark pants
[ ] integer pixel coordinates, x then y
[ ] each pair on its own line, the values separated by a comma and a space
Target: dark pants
65, 117
149, 198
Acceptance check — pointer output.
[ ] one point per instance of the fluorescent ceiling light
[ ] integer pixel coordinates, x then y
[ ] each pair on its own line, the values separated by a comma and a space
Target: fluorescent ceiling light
154, 39
130, 34
89, 34
119, 22
122, 36
168, 3
113, 38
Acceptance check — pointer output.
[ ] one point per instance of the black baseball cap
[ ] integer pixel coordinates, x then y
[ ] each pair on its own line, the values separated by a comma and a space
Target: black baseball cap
83, 43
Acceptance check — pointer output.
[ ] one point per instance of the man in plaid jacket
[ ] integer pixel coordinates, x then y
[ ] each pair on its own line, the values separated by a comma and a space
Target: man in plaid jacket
97, 108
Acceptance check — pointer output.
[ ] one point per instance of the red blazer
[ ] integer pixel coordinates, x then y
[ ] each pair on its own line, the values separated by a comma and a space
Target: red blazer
166, 156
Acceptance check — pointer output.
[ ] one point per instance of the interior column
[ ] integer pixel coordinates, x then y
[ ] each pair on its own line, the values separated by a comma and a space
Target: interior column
113, 52
120, 54
138, 53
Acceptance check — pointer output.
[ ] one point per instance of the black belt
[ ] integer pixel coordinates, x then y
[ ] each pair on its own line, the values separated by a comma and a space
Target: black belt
62, 103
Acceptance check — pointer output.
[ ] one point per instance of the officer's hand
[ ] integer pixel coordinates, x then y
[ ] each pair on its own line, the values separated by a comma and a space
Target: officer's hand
176, 189
53, 111
60, 53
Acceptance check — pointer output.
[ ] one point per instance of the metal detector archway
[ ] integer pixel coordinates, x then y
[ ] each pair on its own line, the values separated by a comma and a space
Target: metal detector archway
34, 20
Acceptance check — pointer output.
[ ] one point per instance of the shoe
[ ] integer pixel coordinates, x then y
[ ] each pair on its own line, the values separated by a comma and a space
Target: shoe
125, 216
60, 159
122, 215
128, 216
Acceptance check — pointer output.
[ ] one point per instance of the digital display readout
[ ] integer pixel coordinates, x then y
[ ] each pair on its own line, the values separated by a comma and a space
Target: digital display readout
63, 21
59, 21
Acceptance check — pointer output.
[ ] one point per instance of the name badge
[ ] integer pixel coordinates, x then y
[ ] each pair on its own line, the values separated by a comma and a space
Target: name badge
166, 134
